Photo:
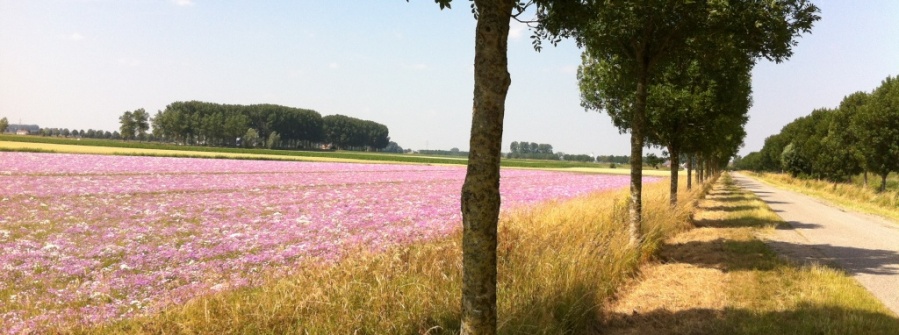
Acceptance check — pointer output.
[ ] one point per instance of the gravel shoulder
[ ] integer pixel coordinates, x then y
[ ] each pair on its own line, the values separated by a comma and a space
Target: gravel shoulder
865, 246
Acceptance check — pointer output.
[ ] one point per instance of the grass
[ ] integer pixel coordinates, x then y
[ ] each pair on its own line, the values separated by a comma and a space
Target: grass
111, 147
558, 263
854, 196
721, 278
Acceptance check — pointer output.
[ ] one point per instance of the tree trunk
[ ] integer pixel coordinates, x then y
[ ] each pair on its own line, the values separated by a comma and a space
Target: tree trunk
866, 179
690, 172
883, 182
699, 169
675, 158
480, 192
635, 210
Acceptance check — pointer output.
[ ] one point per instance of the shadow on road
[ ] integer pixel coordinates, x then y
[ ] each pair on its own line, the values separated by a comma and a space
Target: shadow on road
793, 225
753, 255
806, 319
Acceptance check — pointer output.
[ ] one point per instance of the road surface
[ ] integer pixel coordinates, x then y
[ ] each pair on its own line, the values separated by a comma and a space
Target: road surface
867, 247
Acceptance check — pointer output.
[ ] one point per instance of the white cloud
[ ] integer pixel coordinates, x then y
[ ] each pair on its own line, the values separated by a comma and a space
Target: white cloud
516, 29
183, 3
75, 37
333, 65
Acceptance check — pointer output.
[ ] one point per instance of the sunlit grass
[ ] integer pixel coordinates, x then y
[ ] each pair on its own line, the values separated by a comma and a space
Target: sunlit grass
558, 263
854, 196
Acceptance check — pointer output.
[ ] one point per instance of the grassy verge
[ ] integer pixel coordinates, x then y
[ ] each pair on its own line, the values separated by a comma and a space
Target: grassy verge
852, 196
720, 278
558, 262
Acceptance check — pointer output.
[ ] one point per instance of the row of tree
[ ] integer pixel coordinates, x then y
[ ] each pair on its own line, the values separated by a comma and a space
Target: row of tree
274, 126
75, 133
861, 135
635, 55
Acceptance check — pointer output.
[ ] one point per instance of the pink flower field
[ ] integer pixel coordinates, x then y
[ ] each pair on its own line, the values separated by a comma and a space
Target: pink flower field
87, 239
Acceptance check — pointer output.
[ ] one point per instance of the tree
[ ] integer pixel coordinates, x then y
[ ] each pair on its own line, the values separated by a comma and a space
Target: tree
4, 123
234, 127
250, 138
480, 192
632, 39
127, 125
652, 160
513, 149
878, 122
393, 147
843, 153
273, 140
141, 123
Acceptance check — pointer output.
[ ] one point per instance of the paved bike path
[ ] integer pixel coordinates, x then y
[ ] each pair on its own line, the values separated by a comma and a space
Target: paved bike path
865, 246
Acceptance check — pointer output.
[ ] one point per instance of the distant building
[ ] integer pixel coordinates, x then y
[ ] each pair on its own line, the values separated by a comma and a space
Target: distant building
22, 132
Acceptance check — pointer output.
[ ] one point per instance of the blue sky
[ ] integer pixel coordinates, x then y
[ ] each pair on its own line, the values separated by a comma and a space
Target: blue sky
80, 63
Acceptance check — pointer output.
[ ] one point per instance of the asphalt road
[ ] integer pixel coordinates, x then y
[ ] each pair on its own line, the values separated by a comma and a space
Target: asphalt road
865, 246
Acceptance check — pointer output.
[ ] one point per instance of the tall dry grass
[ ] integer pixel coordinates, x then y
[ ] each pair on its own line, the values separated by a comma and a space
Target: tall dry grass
558, 263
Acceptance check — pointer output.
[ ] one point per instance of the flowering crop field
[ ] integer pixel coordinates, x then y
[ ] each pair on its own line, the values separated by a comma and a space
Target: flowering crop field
87, 239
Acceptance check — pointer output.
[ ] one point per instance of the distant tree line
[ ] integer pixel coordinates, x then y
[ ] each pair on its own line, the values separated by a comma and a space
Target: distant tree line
576, 158
12, 128
859, 136
531, 150
273, 126
450, 152
65, 132
624, 159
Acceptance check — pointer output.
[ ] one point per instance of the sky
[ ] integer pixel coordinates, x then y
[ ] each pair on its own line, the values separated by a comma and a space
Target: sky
79, 64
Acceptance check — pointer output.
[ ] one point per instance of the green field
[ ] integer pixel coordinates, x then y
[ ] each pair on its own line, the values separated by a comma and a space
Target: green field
114, 147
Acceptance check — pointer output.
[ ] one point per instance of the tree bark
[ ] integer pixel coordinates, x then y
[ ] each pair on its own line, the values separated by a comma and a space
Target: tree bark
883, 182
480, 192
700, 170
675, 168
690, 172
635, 210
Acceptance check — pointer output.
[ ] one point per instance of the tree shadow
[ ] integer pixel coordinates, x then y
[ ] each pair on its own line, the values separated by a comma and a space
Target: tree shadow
730, 223
727, 197
732, 255
730, 208
850, 259
804, 319
774, 202
793, 225
721, 254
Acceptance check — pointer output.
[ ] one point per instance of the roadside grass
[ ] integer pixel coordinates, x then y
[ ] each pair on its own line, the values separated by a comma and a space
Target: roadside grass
854, 196
721, 278
111, 147
558, 263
